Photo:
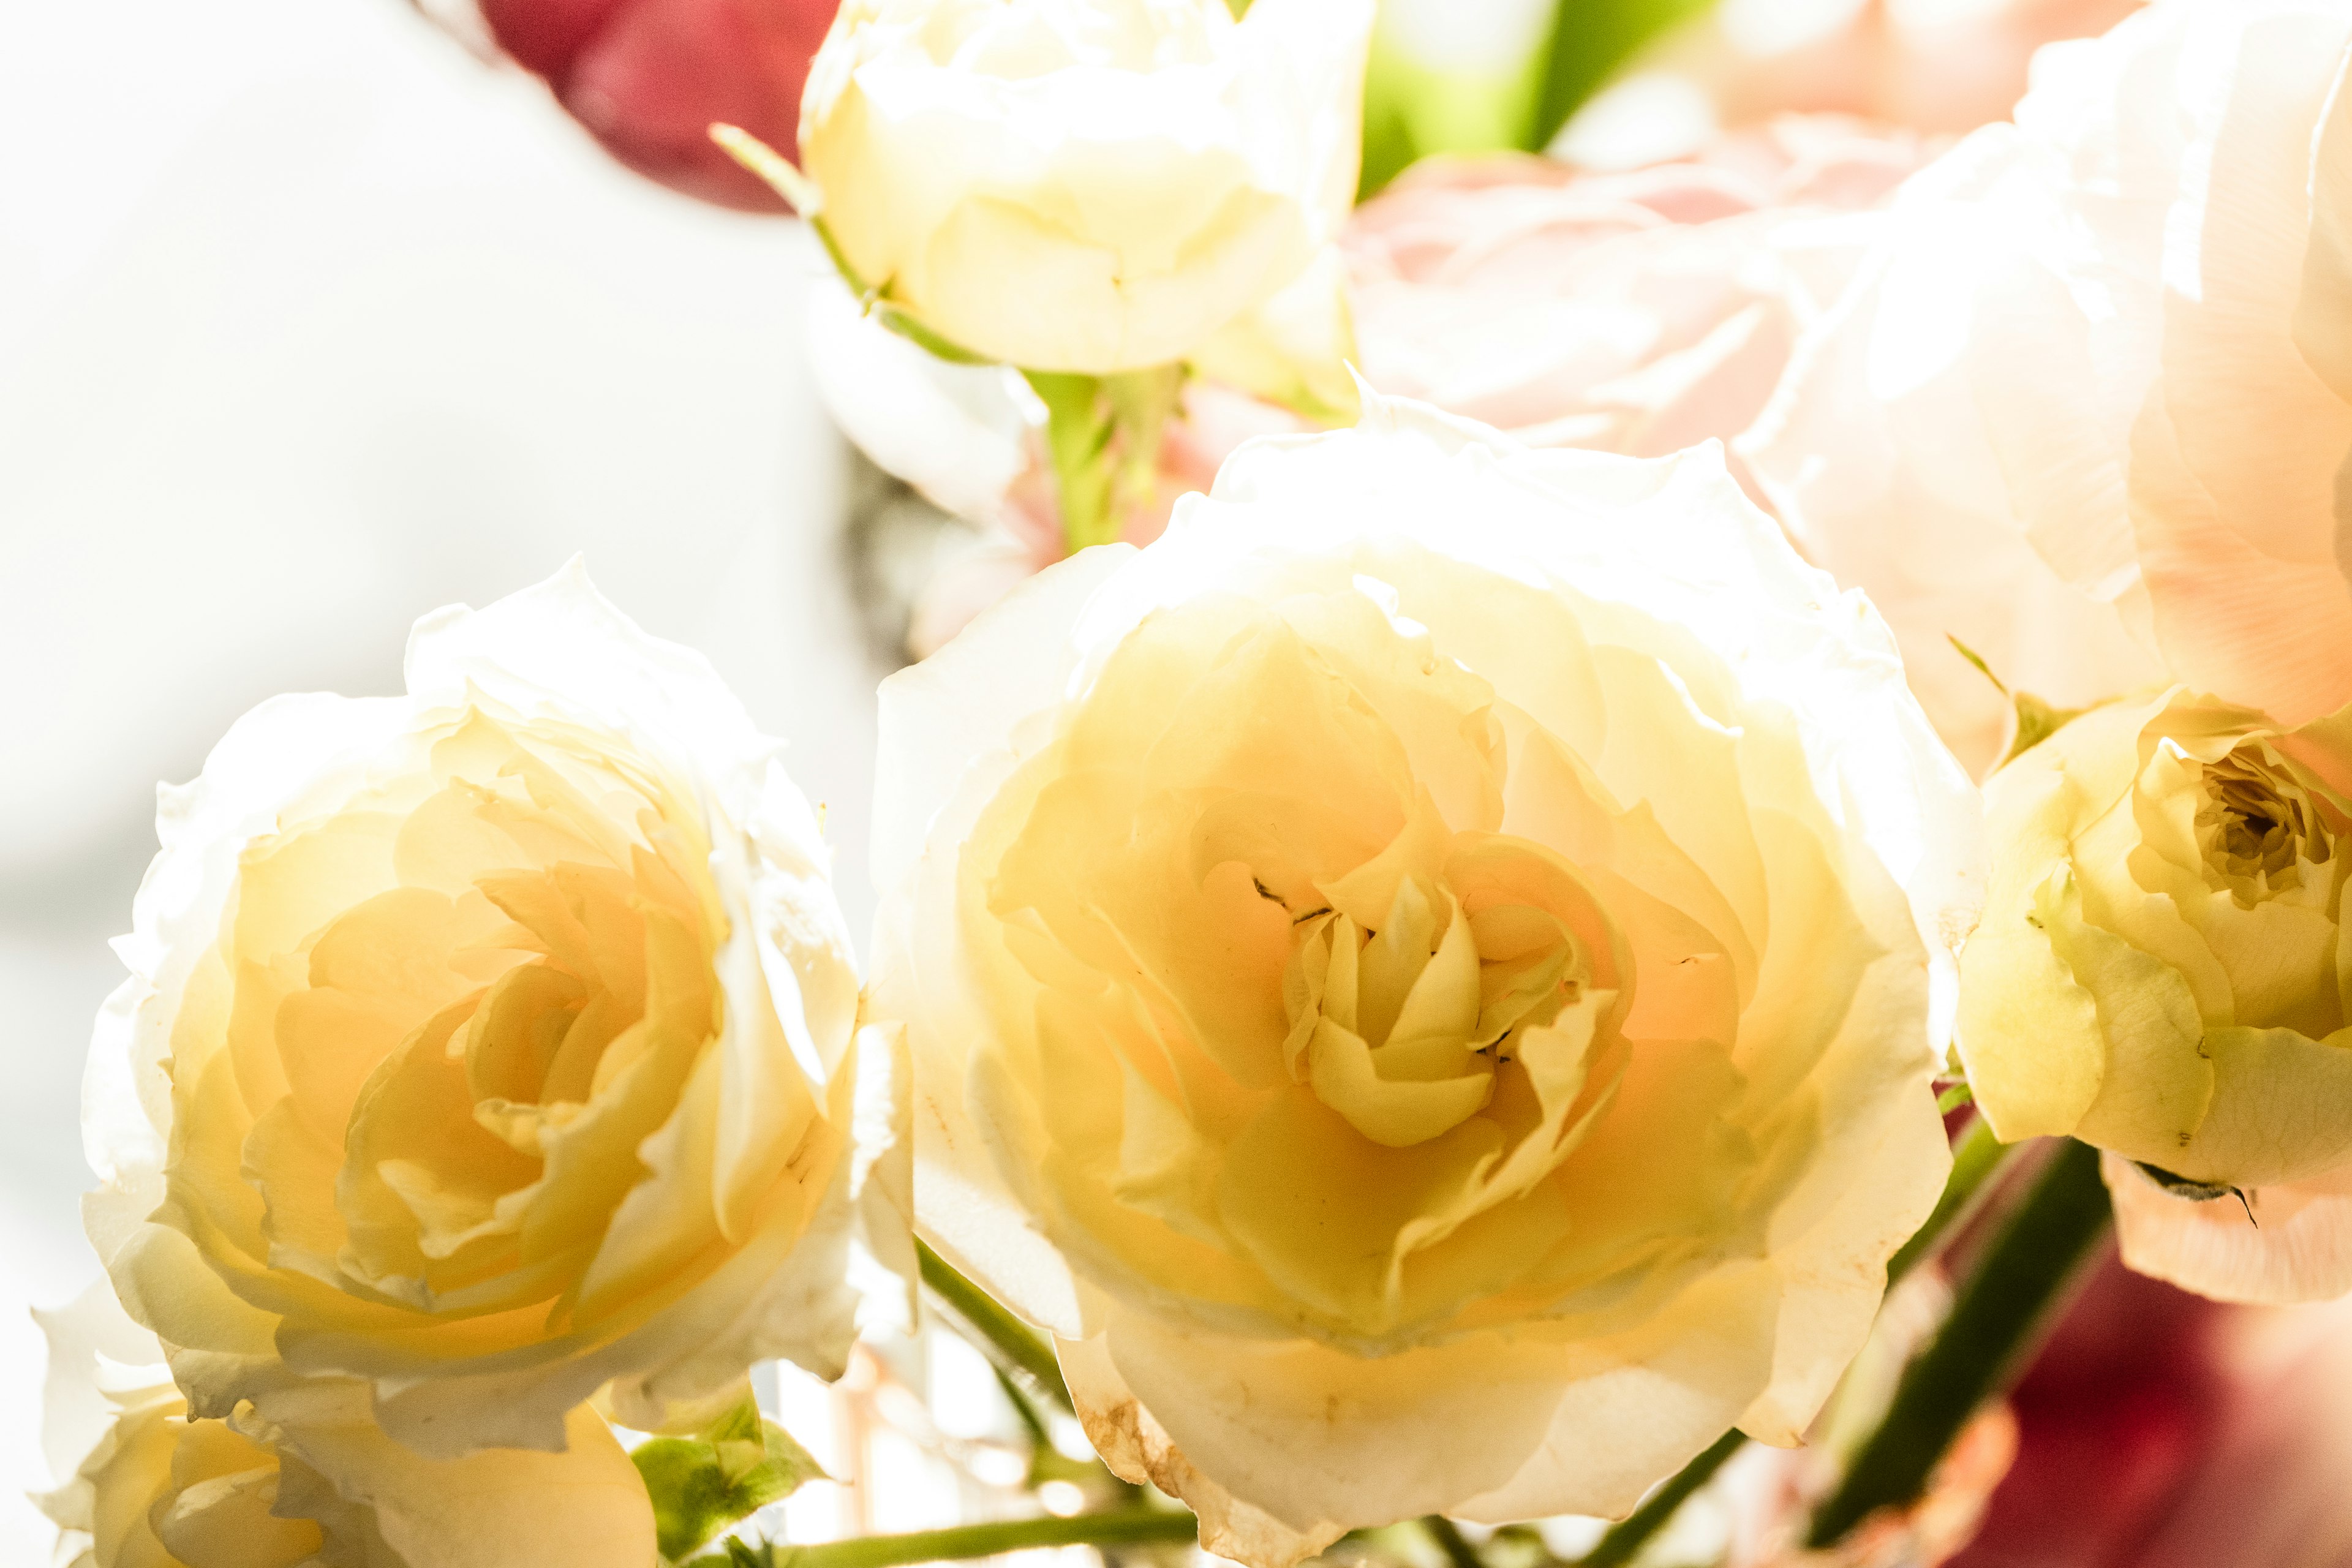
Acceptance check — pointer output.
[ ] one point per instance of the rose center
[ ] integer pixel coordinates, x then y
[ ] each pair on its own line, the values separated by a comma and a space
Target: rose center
1401, 1028
2258, 827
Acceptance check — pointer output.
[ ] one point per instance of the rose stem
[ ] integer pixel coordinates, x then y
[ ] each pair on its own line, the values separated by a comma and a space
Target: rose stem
1975, 1158
1994, 1324
1115, 1527
1628, 1537
1450, 1541
1011, 1343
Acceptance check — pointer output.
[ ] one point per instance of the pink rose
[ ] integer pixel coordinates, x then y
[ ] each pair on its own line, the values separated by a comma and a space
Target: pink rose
2085, 407
1637, 313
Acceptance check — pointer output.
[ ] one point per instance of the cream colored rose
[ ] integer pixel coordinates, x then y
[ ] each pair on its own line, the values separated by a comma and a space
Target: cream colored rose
2085, 409
1410, 976
491, 1045
2164, 970
1091, 186
312, 1481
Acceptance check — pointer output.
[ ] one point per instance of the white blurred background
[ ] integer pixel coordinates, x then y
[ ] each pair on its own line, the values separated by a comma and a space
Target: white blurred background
310, 323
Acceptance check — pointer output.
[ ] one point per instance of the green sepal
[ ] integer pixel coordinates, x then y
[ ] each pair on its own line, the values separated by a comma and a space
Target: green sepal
1102, 434
2195, 1191
2036, 720
731, 1469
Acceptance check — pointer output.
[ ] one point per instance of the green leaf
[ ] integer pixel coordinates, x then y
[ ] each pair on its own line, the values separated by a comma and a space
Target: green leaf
731, 1469
1590, 39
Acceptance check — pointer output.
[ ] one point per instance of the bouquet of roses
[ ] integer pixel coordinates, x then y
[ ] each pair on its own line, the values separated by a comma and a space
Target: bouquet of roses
1541, 787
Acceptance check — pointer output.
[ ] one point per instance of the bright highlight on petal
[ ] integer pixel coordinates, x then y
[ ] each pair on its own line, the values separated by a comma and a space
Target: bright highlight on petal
488, 1045
1413, 951
1085, 185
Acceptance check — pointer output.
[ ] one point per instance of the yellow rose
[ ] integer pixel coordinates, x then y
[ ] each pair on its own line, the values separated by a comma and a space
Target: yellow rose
2164, 970
1092, 186
491, 1045
1410, 976
314, 1482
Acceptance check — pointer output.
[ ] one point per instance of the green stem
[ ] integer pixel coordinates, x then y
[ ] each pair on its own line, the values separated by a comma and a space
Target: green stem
1450, 1540
1102, 434
1974, 1160
1118, 1527
1994, 1325
1632, 1532
1014, 1344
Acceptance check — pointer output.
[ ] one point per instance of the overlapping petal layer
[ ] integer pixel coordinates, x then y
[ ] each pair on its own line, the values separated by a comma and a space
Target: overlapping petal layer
490, 1046
1425, 947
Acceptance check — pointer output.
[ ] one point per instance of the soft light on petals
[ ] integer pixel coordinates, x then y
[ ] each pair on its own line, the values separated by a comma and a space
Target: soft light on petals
1090, 185
2081, 411
1441, 940
489, 1046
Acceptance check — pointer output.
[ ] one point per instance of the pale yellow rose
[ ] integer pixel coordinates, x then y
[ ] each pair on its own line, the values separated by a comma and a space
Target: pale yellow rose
491, 1044
1411, 978
2086, 409
2164, 970
305, 1478
1092, 186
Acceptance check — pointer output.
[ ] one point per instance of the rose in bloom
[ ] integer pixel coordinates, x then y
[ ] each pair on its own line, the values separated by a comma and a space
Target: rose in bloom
2163, 971
1090, 185
1410, 977
490, 1046
1640, 312
648, 77
312, 1481
2085, 410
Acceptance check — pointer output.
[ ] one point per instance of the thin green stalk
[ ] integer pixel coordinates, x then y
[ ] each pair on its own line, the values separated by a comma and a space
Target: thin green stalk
1632, 1532
1976, 1159
1450, 1540
1995, 1324
1013, 1344
1103, 435
1118, 1527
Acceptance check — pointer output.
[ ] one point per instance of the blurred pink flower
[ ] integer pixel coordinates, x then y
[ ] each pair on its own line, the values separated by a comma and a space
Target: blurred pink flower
2160, 1430
1637, 313
2155, 1429
648, 77
2085, 407
1946, 66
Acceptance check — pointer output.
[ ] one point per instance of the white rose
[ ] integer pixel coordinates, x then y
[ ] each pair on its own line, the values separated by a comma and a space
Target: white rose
491, 1044
1411, 978
1089, 185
